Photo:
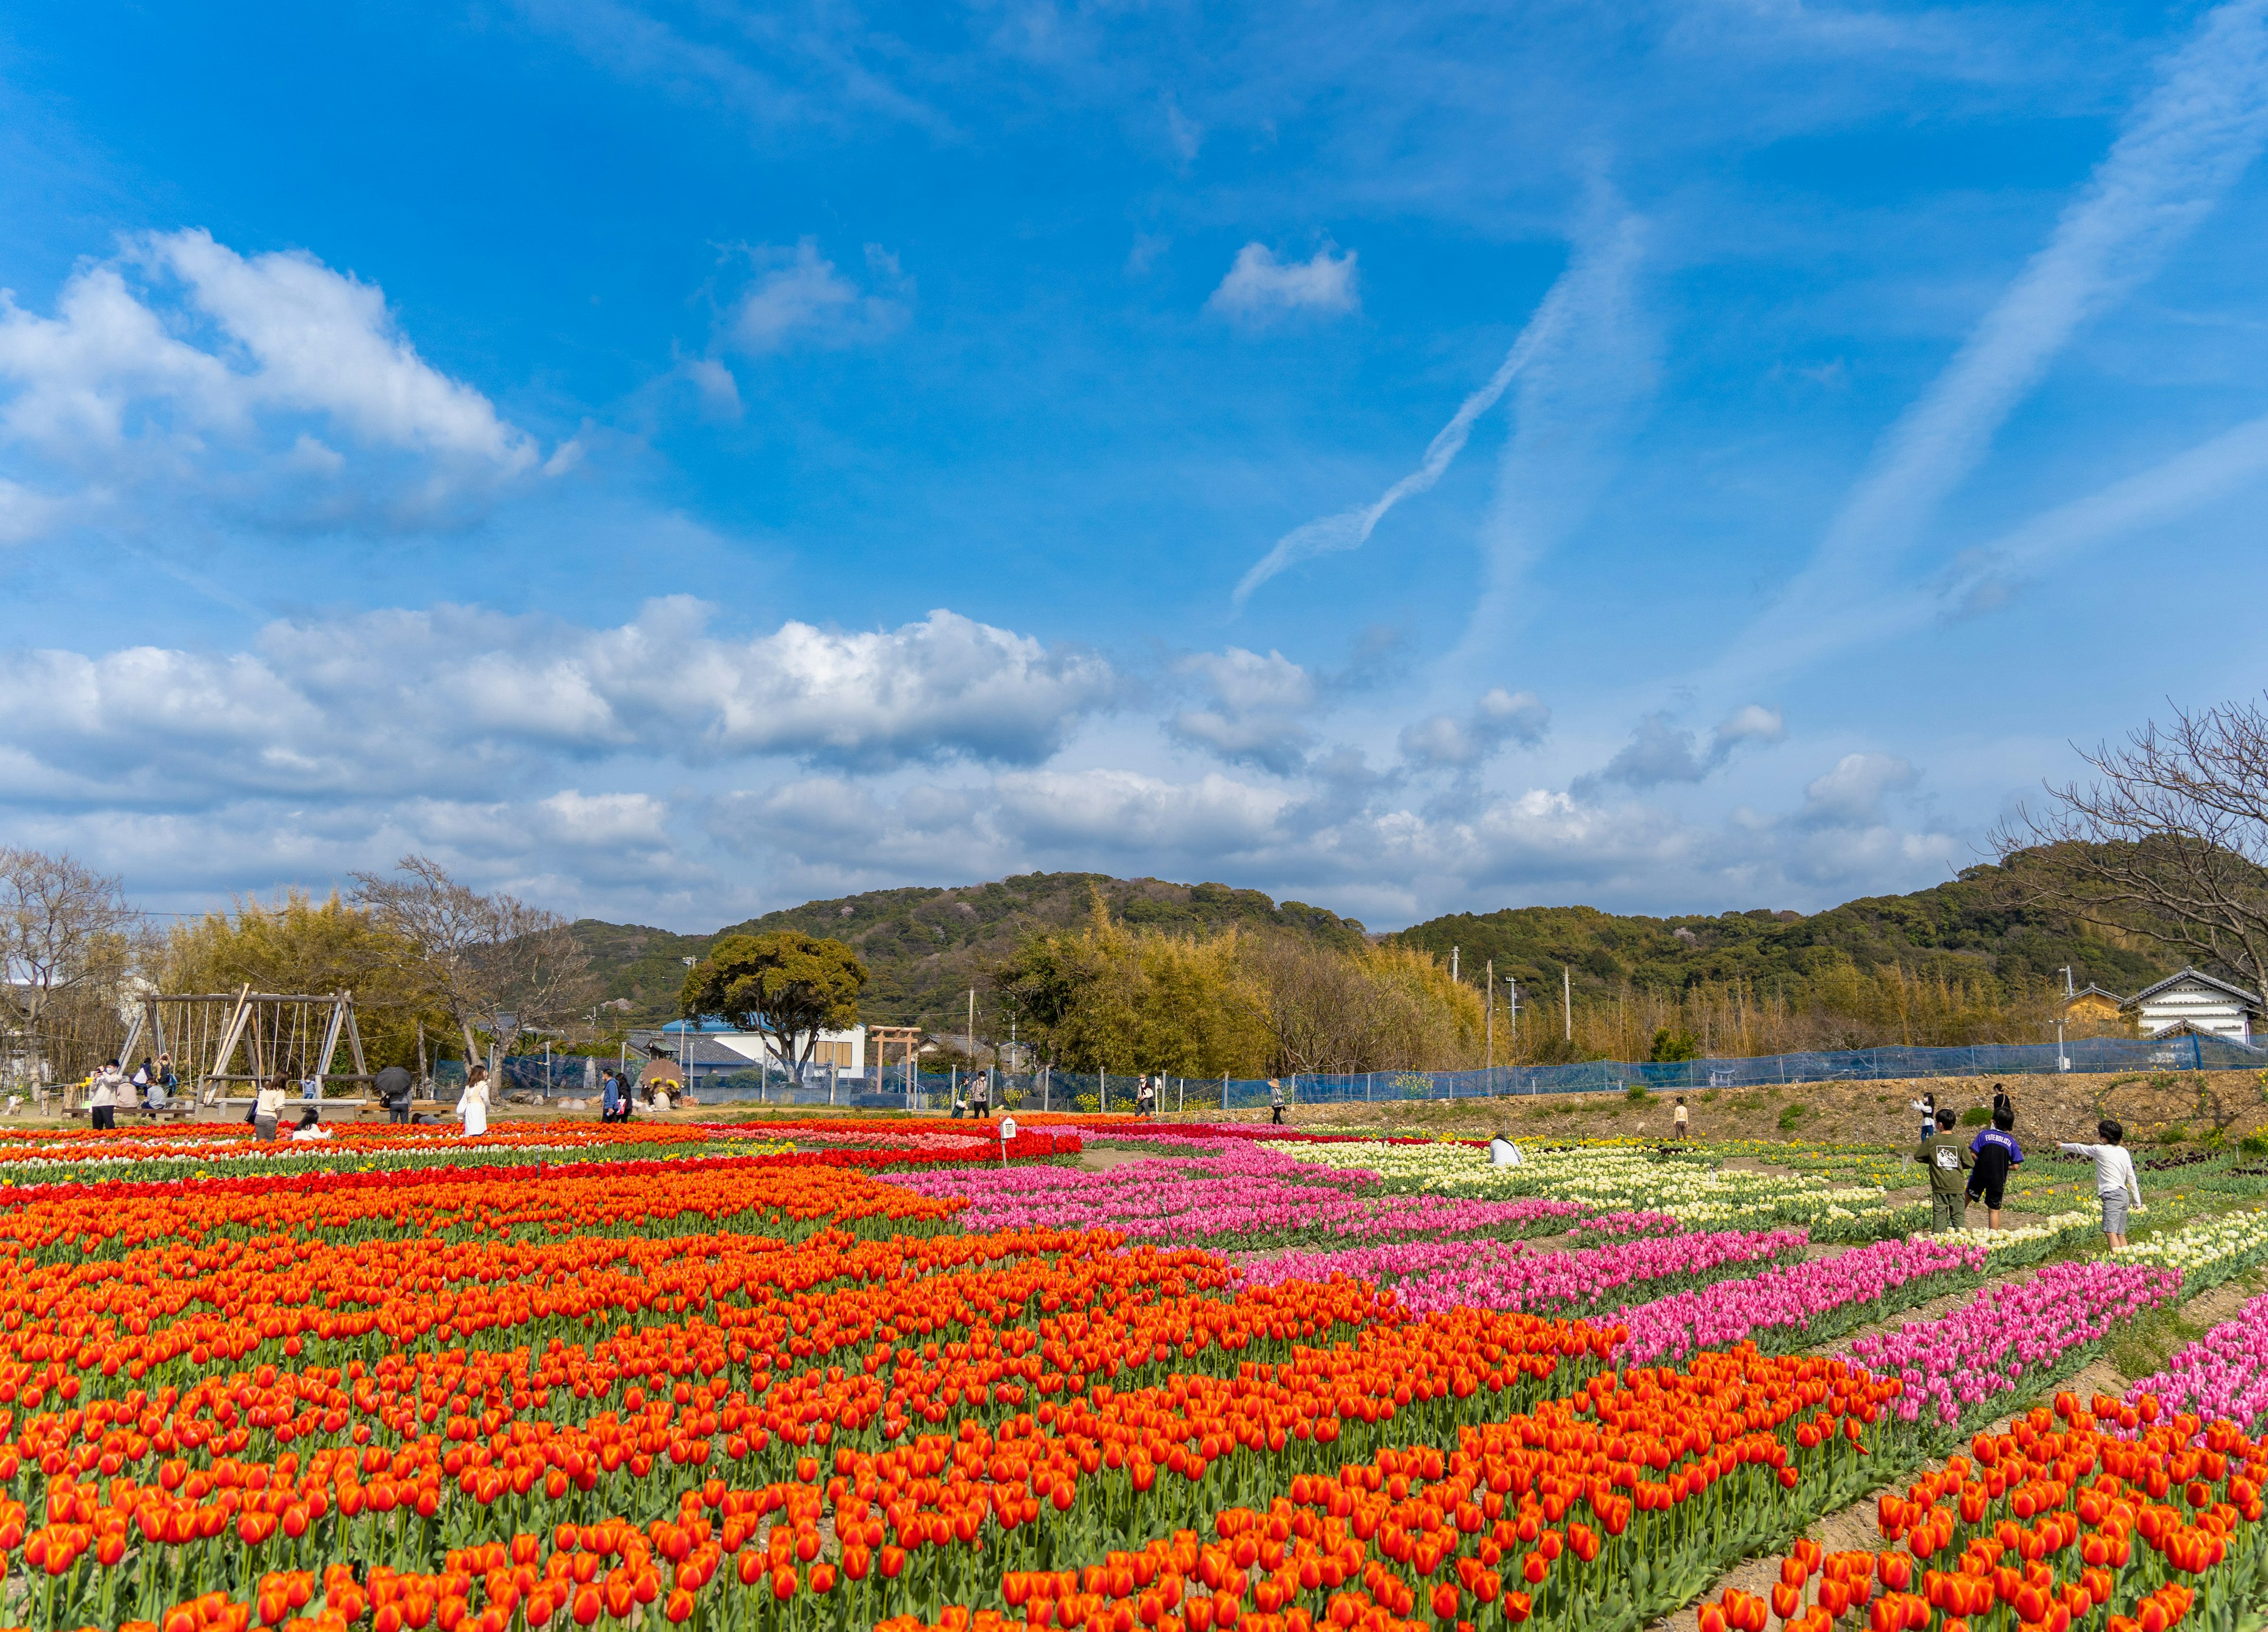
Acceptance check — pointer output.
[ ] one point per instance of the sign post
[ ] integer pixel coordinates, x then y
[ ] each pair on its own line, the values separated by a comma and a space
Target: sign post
1007, 1132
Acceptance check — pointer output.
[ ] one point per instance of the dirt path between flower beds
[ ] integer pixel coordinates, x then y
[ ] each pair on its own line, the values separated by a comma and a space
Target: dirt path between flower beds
1852, 1529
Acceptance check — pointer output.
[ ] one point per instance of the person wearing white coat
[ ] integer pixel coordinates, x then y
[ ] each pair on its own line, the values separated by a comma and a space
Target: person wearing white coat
102, 1102
473, 1104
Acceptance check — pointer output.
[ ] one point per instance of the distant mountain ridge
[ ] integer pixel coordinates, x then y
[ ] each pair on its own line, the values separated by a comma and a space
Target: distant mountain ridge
925, 947
1967, 927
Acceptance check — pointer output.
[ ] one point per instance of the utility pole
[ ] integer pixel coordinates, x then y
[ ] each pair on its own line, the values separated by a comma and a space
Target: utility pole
1567, 1000
2063, 1063
1492, 1016
972, 1027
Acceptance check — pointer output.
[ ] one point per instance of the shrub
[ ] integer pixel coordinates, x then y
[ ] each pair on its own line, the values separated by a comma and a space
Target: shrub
1670, 1047
1977, 1116
1637, 1093
1791, 1118
2254, 1145
2172, 1133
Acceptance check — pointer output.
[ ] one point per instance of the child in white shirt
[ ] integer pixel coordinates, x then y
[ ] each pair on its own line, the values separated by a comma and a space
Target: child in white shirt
2114, 1180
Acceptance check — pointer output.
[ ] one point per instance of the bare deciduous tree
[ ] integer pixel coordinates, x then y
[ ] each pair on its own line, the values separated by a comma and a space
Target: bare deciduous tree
64, 949
493, 963
2169, 842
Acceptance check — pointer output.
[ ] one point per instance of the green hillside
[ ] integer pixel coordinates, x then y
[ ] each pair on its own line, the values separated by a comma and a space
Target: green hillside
1966, 960
926, 947
1972, 929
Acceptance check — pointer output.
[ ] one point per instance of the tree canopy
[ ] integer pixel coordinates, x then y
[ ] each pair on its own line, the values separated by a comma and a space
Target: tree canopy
786, 985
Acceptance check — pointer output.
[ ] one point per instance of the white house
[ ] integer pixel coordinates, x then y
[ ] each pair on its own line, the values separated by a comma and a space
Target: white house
2209, 1004
846, 1050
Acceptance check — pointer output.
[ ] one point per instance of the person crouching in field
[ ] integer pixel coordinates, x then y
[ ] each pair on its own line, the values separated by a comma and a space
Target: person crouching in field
1947, 1163
1996, 1151
2114, 1181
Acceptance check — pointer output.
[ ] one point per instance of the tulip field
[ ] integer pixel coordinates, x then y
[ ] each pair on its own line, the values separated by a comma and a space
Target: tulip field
893, 1375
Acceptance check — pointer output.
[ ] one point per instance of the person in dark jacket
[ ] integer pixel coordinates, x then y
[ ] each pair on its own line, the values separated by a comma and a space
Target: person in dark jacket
395, 1089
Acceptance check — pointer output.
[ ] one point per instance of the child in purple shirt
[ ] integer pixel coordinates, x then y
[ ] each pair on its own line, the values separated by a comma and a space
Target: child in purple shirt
1996, 1151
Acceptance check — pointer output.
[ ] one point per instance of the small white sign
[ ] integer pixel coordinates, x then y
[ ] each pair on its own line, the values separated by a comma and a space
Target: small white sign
1007, 1128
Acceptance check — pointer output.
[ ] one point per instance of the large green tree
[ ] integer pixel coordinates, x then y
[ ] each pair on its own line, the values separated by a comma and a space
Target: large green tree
786, 985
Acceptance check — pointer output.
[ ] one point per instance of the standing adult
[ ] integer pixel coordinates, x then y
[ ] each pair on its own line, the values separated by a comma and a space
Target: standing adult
395, 1089
610, 1096
267, 1107
980, 1100
1678, 1117
1145, 1098
102, 1096
1275, 1102
473, 1104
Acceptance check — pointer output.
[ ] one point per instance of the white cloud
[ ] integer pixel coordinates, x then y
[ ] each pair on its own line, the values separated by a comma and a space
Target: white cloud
1852, 794
1259, 288
411, 701
1445, 743
1256, 708
1662, 751
326, 343
180, 369
799, 297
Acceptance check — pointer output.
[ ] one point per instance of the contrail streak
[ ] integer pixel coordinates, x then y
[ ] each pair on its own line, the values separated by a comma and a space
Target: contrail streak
1350, 529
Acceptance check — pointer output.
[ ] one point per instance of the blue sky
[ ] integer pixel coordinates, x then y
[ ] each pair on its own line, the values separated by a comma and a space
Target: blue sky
675, 460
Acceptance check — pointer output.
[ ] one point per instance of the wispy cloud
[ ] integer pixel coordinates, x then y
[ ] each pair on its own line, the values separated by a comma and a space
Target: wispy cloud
1983, 579
1576, 404
2185, 145
799, 297
1260, 288
1350, 529
1501, 717
1662, 751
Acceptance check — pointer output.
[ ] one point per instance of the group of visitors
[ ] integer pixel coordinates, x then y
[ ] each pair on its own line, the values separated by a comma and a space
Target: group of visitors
1962, 1175
110, 1091
976, 1099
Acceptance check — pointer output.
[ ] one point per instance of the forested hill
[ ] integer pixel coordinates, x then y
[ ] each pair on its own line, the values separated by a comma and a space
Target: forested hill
1967, 928
924, 948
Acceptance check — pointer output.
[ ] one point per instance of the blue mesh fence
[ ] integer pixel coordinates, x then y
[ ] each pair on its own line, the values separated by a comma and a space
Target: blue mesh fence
2100, 1056
935, 1092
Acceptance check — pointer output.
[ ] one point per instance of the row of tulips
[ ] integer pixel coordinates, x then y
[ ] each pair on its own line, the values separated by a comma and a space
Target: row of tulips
1804, 1305
1622, 1177
2012, 1337
1236, 1196
2116, 1515
1598, 1509
50, 1219
230, 1504
2223, 1376
1435, 1276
